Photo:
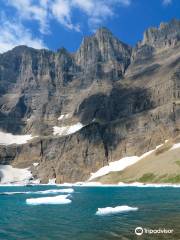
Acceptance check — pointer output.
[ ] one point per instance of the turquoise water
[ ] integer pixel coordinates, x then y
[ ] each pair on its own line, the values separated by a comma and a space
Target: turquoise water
157, 208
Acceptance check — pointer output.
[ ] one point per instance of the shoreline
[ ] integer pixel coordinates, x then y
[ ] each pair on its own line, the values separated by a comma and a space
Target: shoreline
95, 184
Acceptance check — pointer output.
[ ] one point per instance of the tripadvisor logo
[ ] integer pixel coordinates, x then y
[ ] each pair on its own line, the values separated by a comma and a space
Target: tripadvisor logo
139, 231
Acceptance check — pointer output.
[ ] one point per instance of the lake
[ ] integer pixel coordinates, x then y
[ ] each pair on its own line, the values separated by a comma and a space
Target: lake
73, 215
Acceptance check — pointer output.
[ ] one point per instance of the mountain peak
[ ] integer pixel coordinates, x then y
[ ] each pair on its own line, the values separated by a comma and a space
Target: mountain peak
103, 30
105, 51
166, 34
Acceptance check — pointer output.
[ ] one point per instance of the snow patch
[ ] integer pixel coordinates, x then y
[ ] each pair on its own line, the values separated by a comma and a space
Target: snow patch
61, 117
61, 199
8, 138
35, 181
9, 174
114, 210
35, 164
52, 181
175, 146
120, 165
64, 116
68, 115
63, 131
115, 166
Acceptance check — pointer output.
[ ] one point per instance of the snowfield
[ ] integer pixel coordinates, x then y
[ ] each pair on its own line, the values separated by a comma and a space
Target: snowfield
67, 130
35, 164
8, 138
124, 163
64, 116
52, 181
175, 146
9, 174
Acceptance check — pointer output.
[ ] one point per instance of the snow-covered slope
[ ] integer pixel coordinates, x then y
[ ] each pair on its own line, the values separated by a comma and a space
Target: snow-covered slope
9, 174
120, 164
63, 131
8, 138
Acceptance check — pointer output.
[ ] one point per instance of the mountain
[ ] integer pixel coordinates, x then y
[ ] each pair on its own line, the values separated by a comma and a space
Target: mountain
88, 108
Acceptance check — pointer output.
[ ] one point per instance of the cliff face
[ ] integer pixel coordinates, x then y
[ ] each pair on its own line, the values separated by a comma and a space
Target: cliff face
165, 36
102, 56
127, 100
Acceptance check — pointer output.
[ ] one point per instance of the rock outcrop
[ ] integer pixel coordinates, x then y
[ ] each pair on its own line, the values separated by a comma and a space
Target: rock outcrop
126, 98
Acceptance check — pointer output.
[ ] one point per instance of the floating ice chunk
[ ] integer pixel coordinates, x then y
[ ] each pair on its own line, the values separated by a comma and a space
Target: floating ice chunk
8, 138
114, 210
9, 174
63, 131
54, 191
11, 193
50, 191
61, 199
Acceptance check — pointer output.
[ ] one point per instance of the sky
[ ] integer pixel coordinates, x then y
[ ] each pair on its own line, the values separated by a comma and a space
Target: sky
53, 24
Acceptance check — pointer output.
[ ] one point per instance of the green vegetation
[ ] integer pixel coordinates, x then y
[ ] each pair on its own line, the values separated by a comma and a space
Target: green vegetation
161, 178
147, 177
173, 179
178, 163
151, 178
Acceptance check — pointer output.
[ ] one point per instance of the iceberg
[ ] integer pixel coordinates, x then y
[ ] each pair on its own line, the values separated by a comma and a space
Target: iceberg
60, 199
114, 210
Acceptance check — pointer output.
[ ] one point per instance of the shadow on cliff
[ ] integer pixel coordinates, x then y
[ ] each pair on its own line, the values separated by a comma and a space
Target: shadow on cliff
103, 112
11, 121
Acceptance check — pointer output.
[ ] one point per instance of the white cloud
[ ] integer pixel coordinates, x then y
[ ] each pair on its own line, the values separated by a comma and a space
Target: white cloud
43, 11
167, 2
27, 10
97, 11
13, 33
62, 10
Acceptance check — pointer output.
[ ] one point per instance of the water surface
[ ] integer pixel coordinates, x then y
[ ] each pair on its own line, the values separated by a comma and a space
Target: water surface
157, 208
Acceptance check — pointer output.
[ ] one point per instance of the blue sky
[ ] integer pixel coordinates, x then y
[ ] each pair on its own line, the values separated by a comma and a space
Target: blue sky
54, 24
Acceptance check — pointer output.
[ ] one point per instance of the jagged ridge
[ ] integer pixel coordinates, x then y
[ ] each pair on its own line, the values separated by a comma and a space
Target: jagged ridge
128, 100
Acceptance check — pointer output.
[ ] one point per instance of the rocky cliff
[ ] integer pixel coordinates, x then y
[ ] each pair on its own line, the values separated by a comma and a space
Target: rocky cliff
126, 99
